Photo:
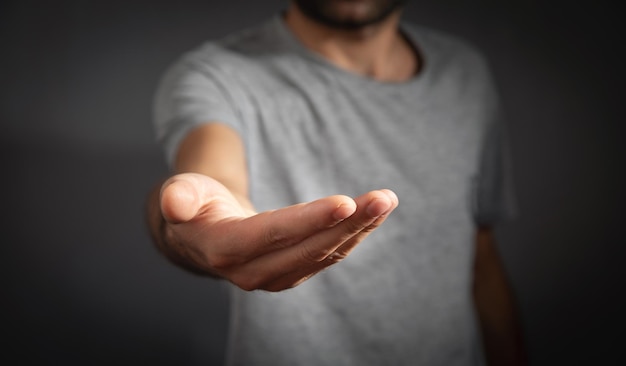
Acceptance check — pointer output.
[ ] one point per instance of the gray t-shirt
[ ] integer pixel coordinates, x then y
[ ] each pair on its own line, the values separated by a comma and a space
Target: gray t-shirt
310, 130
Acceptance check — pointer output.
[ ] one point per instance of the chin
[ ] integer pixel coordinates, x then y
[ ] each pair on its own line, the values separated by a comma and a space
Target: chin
349, 14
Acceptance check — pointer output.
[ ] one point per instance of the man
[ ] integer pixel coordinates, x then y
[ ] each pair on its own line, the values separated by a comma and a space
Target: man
339, 97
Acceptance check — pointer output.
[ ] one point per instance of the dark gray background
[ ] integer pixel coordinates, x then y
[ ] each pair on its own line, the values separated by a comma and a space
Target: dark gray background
82, 284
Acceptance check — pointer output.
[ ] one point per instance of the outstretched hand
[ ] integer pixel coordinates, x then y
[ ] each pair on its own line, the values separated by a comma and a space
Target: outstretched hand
272, 250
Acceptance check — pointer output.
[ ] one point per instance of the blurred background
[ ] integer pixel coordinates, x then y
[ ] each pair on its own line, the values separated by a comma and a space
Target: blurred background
82, 282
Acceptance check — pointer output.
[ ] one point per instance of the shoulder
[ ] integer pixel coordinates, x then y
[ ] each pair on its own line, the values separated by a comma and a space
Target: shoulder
250, 62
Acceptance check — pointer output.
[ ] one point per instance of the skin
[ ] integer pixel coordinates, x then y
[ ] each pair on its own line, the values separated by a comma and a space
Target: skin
348, 14
202, 219
495, 305
375, 50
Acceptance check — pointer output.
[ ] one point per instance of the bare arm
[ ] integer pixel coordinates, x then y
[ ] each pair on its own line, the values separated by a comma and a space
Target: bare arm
202, 219
501, 330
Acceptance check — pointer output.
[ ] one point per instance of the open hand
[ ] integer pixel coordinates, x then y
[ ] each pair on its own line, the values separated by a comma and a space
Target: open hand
272, 250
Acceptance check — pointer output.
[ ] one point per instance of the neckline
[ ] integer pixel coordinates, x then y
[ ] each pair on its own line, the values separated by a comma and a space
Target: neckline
410, 35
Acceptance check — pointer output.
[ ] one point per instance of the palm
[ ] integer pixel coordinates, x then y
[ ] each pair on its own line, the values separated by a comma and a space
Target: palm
271, 250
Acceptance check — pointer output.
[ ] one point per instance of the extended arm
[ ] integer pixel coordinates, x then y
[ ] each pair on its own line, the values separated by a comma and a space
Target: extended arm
202, 219
501, 330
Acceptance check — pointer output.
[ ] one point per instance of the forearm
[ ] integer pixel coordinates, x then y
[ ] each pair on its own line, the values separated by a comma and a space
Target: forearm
496, 307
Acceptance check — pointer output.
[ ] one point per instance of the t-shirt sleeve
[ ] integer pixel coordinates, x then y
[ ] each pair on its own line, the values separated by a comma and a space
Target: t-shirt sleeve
494, 198
190, 93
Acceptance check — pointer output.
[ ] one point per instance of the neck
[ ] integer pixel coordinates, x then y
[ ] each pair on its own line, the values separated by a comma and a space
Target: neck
378, 51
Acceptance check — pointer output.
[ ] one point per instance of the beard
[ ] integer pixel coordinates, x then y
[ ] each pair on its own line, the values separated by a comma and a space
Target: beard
348, 14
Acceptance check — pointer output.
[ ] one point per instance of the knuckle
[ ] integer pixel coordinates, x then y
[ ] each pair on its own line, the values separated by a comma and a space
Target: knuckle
220, 262
248, 283
169, 235
227, 261
368, 229
336, 257
247, 286
275, 237
374, 225
309, 255
365, 230
353, 226
360, 226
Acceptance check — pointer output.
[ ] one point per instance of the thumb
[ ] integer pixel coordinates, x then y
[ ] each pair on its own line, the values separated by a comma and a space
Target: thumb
182, 197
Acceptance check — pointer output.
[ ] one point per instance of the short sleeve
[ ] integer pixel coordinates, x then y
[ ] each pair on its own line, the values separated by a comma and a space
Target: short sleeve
190, 93
494, 198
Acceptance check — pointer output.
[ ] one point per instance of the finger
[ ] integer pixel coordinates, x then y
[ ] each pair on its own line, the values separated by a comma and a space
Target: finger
278, 229
345, 248
184, 195
374, 209
309, 255
295, 278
